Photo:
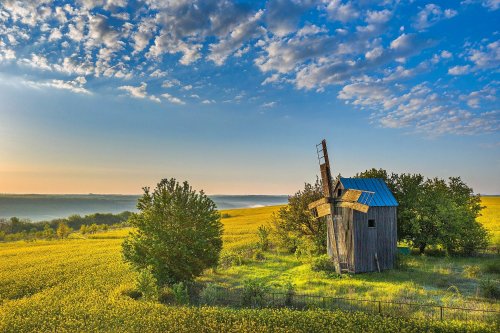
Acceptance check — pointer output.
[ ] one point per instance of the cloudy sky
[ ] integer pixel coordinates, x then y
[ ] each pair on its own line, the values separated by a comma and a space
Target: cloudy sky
107, 96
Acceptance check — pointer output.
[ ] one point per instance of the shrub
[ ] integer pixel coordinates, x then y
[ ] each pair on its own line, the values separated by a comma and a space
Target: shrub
289, 293
472, 271
492, 267
402, 262
212, 294
147, 285
181, 294
259, 255
236, 258
263, 233
225, 216
166, 295
323, 263
254, 292
490, 289
63, 230
305, 248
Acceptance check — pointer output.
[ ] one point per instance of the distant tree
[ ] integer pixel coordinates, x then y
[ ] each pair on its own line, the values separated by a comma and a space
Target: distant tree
63, 230
178, 233
48, 232
83, 229
294, 221
92, 229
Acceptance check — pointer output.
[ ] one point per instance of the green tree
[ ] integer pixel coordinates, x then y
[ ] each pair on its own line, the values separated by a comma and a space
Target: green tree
48, 232
63, 230
178, 233
92, 229
294, 221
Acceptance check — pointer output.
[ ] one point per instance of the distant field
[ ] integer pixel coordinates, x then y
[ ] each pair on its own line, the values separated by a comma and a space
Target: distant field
76, 285
491, 217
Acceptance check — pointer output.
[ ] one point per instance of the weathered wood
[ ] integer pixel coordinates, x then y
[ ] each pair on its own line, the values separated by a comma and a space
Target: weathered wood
332, 242
321, 201
354, 205
324, 209
351, 195
382, 239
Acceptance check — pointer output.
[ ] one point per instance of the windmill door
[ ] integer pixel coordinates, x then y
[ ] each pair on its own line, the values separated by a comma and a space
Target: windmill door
371, 244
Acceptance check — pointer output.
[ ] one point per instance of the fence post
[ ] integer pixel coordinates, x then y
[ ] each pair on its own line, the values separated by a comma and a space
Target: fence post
379, 307
441, 312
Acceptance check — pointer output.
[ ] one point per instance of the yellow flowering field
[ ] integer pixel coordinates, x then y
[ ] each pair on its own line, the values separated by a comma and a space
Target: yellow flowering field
76, 285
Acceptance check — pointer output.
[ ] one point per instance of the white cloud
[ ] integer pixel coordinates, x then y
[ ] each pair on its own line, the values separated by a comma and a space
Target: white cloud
77, 85
341, 11
486, 56
269, 105
431, 14
55, 34
172, 99
459, 70
491, 4
418, 108
139, 92
234, 40
170, 83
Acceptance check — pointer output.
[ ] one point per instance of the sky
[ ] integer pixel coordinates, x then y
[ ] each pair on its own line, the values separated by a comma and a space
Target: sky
109, 96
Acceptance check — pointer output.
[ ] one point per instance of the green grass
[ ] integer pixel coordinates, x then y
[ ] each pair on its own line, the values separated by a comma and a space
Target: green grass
77, 285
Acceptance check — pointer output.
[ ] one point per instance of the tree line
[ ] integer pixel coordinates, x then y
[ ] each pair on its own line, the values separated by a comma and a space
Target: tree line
16, 228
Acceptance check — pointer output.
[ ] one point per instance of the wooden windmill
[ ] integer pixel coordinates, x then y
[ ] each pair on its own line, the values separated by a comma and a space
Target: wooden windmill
340, 236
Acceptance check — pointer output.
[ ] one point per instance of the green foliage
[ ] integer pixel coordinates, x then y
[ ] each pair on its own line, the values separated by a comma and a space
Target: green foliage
490, 289
212, 294
492, 267
259, 255
63, 230
181, 293
289, 289
472, 271
294, 221
225, 216
147, 285
323, 263
17, 229
435, 212
263, 233
178, 233
254, 293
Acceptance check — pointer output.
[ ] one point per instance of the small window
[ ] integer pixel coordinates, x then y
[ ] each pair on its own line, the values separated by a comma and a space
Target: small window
339, 192
371, 223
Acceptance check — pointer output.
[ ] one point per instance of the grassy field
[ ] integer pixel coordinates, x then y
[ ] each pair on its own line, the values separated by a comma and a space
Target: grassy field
77, 285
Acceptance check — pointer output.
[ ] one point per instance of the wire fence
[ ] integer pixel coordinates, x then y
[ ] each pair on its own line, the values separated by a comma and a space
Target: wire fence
238, 298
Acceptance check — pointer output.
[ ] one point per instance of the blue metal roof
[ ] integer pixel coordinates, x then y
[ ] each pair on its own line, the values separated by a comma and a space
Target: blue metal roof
382, 197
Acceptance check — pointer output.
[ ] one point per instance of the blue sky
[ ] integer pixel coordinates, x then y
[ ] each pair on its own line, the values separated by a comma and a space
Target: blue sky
107, 96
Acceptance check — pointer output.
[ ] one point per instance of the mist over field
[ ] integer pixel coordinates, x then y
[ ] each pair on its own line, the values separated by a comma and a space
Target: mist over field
39, 207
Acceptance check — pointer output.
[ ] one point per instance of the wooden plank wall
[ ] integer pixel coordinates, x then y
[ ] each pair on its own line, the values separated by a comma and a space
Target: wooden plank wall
381, 239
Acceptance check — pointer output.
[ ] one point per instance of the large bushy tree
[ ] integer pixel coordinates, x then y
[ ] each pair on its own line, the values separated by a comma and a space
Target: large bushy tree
178, 233
294, 223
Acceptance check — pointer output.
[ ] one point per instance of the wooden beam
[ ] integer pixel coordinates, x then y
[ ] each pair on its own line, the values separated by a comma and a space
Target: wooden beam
321, 201
324, 209
354, 205
351, 195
